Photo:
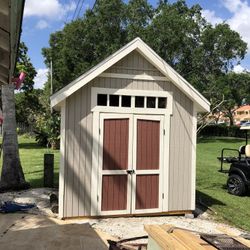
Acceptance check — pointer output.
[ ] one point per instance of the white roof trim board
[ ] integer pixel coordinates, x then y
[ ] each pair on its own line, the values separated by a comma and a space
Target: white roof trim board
202, 104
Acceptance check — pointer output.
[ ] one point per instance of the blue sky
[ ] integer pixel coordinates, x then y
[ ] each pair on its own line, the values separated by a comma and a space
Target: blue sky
41, 18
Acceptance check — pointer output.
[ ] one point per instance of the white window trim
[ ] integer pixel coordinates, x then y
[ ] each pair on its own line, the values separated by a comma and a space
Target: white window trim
97, 110
132, 109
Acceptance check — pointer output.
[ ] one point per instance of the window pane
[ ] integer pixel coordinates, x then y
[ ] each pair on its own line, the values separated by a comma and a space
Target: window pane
139, 101
102, 100
151, 102
126, 101
162, 102
114, 100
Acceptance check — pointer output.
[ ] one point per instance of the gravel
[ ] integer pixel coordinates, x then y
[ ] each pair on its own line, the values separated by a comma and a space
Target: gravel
122, 227
134, 227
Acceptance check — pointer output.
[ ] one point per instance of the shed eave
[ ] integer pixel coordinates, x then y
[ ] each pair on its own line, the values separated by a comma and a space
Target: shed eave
137, 44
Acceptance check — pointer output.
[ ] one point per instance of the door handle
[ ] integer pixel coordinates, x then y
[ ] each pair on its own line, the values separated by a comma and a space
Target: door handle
130, 171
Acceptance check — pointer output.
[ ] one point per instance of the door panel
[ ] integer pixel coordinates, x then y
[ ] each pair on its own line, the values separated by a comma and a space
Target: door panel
130, 160
147, 153
114, 158
147, 158
147, 191
114, 192
115, 144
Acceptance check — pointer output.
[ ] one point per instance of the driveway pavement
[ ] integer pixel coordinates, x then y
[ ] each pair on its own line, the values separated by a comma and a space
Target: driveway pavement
28, 232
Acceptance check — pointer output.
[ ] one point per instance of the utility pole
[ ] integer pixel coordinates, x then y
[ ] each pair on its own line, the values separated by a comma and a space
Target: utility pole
51, 78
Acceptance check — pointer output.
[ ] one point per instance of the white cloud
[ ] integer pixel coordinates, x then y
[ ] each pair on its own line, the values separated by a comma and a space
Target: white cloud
42, 24
240, 17
238, 69
234, 5
41, 78
239, 20
211, 17
50, 9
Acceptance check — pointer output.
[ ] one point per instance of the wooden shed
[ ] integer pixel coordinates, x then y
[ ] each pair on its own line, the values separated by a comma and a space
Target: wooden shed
128, 137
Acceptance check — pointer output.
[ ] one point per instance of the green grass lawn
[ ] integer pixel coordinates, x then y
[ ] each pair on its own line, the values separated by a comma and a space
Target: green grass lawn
31, 155
211, 185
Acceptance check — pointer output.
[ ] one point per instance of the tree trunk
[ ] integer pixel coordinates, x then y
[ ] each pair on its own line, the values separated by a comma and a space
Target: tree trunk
12, 177
230, 116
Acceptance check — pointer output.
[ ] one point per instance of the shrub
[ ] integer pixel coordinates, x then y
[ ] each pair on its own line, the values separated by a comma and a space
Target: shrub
222, 130
47, 129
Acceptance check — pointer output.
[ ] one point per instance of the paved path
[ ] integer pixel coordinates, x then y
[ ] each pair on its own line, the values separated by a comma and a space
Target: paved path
25, 231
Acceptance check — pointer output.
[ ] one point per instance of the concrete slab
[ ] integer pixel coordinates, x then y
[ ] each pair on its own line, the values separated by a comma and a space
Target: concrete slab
22, 232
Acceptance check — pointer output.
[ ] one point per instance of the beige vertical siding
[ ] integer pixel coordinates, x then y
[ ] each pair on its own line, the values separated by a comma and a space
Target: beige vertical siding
134, 64
78, 149
79, 140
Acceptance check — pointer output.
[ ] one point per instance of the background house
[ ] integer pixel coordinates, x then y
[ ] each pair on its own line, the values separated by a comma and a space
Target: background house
242, 114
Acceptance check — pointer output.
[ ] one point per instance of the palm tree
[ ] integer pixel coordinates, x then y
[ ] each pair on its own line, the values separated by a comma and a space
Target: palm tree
12, 177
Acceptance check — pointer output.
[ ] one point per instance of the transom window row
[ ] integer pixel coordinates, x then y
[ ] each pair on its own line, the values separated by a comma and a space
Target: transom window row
126, 101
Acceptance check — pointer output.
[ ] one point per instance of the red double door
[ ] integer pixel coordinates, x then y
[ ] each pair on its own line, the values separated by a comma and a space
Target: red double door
131, 162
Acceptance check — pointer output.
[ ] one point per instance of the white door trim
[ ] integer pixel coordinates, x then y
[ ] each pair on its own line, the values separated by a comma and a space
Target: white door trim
96, 158
143, 172
123, 112
104, 116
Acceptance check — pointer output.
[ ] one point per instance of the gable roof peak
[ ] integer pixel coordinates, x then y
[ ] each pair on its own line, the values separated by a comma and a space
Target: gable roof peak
148, 53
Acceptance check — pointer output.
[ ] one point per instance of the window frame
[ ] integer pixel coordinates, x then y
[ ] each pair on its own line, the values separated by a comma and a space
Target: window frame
133, 93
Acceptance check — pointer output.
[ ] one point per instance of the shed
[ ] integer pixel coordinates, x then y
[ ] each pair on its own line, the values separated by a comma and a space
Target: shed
128, 137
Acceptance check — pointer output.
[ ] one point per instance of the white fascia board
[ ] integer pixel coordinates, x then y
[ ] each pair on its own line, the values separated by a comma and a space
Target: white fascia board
203, 104
92, 73
137, 44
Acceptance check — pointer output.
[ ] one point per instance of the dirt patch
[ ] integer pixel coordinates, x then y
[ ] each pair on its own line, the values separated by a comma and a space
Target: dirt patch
38, 196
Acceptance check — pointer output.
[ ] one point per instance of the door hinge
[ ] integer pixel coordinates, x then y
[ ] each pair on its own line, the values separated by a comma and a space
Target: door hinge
163, 131
99, 131
97, 198
162, 195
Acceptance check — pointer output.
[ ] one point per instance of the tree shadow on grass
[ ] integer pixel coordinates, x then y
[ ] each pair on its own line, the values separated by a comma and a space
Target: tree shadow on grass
30, 145
34, 145
205, 203
36, 181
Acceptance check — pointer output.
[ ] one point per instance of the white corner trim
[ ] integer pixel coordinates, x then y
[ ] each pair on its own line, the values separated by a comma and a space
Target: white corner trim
134, 77
137, 44
62, 161
95, 165
193, 158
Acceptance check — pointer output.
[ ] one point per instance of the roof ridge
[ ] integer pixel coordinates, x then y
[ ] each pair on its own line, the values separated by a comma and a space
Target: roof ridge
148, 53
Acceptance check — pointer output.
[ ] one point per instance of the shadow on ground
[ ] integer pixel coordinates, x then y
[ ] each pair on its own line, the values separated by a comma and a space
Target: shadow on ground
29, 145
37, 179
205, 203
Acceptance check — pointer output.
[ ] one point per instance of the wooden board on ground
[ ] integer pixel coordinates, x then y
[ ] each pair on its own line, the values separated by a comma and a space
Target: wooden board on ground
234, 236
170, 237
